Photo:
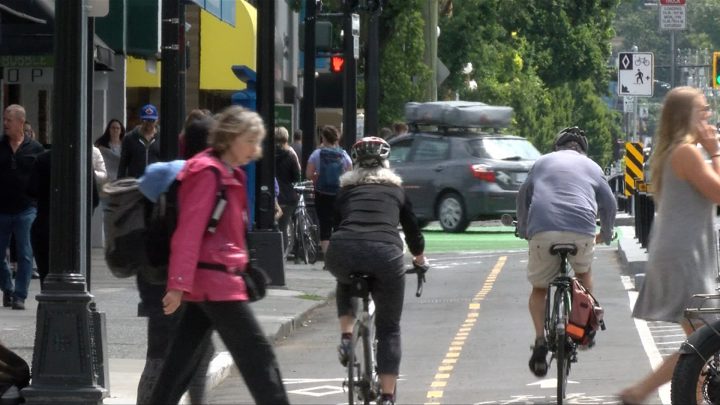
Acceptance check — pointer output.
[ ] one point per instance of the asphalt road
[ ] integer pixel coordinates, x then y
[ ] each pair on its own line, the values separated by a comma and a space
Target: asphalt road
467, 341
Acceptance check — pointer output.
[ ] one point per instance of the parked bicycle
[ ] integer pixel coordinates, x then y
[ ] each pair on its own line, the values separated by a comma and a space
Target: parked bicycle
362, 381
696, 379
303, 237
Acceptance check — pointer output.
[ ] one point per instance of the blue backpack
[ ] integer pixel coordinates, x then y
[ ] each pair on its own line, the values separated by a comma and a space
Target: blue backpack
331, 166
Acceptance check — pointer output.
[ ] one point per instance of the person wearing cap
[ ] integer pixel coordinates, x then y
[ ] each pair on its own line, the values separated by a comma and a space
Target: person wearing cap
141, 146
558, 203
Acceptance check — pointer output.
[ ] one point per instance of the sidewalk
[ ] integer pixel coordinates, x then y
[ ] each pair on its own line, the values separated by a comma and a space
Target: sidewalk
307, 287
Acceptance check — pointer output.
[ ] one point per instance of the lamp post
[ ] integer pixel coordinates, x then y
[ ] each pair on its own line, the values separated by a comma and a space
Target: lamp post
66, 349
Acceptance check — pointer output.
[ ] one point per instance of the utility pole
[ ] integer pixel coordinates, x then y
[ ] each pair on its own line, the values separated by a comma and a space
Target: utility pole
307, 105
351, 32
172, 89
66, 340
430, 15
372, 74
265, 241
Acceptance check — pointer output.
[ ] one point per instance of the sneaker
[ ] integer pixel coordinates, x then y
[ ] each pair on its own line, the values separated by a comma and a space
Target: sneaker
7, 299
35, 274
386, 402
18, 303
538, 360
344, 351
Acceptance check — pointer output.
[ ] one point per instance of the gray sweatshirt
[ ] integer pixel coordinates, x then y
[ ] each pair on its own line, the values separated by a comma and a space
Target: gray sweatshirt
565, 191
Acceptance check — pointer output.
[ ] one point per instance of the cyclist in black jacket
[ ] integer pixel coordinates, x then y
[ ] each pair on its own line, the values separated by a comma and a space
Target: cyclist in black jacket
369, 206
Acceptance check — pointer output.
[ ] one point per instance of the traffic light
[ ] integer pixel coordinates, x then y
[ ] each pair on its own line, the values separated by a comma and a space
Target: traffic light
337, 62
715, 70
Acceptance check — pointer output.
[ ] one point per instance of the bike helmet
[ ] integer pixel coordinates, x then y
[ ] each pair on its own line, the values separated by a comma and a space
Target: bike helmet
571, 134
370, 151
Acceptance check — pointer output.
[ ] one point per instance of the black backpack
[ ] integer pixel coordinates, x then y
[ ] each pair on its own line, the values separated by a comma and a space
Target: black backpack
139, 232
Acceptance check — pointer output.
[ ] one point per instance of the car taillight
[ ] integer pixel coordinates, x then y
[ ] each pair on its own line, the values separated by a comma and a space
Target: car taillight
483, 173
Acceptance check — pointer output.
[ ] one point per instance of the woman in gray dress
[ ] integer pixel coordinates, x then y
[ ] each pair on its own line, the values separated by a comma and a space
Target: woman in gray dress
682, 251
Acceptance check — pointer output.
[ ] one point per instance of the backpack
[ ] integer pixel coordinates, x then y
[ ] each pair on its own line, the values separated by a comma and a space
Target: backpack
124, 225
586, 315
140, 218
331, 166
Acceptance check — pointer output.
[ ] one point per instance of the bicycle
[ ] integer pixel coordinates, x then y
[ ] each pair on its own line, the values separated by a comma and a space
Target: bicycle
362, 379
558, 303
696, 378
303, 237
557, 314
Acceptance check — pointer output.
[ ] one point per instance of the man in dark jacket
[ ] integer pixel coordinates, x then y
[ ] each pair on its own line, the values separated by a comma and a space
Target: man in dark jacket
17, 209
141, 146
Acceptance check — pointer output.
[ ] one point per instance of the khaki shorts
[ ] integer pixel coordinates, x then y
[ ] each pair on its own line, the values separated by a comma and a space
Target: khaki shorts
543, 266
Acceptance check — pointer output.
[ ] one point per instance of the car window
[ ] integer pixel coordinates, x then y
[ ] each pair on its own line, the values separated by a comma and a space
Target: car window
503, 149
399, 151
431, 149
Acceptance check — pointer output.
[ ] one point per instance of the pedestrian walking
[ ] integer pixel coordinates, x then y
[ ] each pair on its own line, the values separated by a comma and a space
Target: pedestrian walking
162, 328
682, 258
203, 266
287, 172
141, 146
297, 143
17, 208
110, 145
325, 166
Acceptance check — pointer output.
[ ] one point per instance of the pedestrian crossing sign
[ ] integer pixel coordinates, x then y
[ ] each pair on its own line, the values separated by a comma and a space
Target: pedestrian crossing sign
635, 74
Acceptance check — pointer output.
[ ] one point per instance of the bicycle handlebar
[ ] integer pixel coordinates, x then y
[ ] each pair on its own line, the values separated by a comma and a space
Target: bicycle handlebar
420, 270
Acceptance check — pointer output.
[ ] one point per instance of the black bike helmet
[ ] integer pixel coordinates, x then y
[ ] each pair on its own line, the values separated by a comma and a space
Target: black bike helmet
571, 134
370, 151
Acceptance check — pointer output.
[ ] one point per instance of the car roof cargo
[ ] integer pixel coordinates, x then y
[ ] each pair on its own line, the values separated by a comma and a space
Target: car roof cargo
458, 114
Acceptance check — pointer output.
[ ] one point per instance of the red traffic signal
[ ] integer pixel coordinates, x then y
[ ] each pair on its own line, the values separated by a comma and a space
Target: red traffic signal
337, 62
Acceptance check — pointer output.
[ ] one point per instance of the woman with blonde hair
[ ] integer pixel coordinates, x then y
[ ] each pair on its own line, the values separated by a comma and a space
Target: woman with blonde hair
683, 250
204, 266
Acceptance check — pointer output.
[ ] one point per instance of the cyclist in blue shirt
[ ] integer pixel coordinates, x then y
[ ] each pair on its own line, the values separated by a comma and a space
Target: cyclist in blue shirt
558, 203
369, 206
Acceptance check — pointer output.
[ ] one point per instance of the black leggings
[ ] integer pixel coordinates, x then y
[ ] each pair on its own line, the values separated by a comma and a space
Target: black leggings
243, 337
384, 261
324, 207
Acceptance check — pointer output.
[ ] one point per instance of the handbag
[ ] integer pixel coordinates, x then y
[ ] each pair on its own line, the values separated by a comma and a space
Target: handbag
256, 281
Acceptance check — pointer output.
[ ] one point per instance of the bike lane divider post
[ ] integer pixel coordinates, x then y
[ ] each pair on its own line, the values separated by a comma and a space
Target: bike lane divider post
436, 390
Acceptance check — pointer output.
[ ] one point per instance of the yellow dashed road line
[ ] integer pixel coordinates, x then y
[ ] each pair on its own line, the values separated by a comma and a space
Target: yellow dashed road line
434, 395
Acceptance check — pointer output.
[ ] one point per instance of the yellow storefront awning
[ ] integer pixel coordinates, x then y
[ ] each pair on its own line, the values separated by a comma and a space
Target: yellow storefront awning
221, 47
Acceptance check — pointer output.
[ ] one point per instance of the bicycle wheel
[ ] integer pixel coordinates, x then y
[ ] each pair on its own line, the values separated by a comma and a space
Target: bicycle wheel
289, 237
300, 231
353, 367
696, 379
562, 354
371, 385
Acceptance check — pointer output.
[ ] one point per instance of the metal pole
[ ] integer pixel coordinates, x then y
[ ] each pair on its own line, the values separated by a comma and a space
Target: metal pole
307, 105
372, 76
171, 112
65, 354
265, 186
673, 60
349, 81
89, 146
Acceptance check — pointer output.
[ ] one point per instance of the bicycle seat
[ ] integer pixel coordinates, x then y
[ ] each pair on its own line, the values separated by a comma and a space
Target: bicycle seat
360, 284
563, 249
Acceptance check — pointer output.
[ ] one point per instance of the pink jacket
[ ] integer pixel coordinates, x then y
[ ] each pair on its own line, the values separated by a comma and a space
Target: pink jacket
192, 243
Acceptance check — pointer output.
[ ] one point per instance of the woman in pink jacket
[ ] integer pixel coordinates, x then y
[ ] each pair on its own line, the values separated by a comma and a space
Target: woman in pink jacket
203, 265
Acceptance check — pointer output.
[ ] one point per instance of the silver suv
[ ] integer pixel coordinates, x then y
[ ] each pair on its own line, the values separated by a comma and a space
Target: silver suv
458, 176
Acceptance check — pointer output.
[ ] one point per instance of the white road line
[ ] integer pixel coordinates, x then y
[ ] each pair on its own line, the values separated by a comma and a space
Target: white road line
647, 340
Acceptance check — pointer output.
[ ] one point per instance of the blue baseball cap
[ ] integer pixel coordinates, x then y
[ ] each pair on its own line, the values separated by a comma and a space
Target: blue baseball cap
148, 112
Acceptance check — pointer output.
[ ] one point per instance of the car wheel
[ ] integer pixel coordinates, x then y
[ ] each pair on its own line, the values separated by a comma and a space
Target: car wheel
451, 213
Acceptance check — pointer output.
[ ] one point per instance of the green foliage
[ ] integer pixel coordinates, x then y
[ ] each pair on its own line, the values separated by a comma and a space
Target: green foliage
403, 73
546, 59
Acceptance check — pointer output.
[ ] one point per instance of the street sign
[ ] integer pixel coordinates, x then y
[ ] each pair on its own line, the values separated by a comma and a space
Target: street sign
635, 74
672, 17
628, 104
672, 2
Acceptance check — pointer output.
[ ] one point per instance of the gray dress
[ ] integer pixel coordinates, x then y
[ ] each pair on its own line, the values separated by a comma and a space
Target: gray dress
682, 252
